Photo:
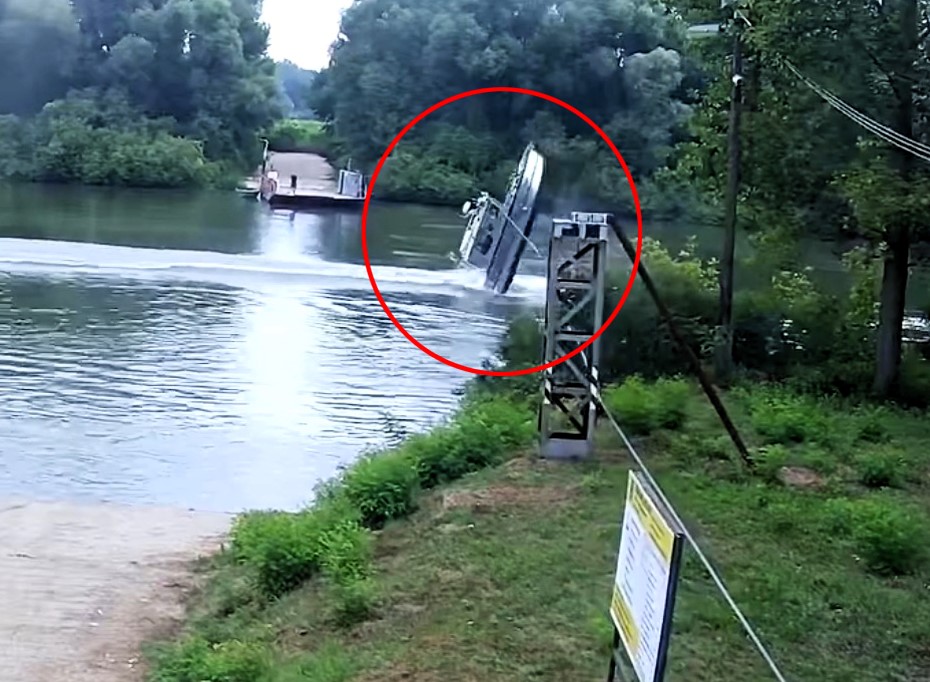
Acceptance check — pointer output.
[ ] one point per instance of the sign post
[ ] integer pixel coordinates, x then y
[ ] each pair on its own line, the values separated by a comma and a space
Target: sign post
645, 583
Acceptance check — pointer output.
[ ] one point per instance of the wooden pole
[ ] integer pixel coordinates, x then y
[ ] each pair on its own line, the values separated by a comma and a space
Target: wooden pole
693, 360
723, 351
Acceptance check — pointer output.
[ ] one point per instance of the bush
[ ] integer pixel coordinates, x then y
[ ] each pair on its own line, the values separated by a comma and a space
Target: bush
286, 549
780, 417
197, 660
382, 487
481, 435
353, 601
770, 460
914, 388
292, 135
892, 540
872, 426
345, 551
881, 468
671, 398
641, 408
280, 547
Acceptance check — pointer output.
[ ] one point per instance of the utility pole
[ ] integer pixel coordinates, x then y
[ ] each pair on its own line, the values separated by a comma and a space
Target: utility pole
723, 351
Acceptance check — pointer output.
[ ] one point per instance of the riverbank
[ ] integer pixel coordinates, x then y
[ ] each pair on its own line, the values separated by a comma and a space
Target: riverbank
505, 573
84, 585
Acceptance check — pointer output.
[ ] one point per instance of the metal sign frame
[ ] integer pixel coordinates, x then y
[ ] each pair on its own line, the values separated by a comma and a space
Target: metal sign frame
661, 528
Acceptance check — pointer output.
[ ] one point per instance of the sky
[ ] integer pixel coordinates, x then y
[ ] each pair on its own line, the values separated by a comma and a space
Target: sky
303, 30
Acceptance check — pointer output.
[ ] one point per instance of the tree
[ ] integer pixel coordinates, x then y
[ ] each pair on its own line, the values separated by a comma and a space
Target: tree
37, 44
872, 55
617, 61
805, 170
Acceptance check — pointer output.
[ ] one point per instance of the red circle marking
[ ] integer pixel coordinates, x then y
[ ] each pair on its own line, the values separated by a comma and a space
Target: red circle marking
639, 231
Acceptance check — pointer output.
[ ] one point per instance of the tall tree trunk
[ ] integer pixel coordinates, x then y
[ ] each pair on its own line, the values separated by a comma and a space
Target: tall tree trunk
891, 313
898, 237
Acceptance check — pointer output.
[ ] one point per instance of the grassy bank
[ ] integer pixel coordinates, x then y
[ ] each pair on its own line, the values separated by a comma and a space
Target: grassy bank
458, 556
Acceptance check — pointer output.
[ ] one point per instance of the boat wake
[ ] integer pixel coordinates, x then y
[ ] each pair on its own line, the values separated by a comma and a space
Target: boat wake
79, 259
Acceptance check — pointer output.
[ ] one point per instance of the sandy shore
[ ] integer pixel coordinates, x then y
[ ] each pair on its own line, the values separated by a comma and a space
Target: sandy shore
82, 586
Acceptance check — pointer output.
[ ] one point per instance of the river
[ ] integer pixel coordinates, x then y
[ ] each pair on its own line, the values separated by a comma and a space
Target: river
206, 352
203, 351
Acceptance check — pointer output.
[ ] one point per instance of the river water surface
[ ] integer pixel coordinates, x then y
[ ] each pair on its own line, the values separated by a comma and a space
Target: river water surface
206, 352
210, 353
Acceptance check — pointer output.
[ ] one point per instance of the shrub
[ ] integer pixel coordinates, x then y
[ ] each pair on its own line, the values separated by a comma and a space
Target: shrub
382, 486
838, 516
872, 426
280, 547
286, 549
197, 660
780, 417
892, 540
881, 468
641, 408
482, 435
770, 460
345, 549
671, 397
353, 601
914, 388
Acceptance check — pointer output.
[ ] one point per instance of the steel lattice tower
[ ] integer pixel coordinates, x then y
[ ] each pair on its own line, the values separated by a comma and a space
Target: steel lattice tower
574, 311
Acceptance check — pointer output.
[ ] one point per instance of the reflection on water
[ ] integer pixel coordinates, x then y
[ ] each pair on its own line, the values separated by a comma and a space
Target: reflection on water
226, 366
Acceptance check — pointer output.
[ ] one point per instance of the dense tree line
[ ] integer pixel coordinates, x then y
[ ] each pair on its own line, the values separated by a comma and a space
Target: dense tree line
806, 169
617, 61
150, 92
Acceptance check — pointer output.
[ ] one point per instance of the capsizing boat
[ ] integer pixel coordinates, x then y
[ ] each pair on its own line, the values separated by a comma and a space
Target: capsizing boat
497, 232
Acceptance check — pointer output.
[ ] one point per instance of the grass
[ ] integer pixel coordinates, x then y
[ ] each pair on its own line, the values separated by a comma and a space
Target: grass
505, 573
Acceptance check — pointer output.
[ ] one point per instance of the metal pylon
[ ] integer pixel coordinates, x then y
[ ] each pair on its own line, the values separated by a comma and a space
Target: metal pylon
574, 311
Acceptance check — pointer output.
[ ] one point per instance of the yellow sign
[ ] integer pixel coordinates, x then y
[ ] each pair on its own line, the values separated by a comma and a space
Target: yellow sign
641, 585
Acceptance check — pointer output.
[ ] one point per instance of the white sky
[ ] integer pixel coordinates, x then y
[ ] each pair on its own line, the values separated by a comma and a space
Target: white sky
303, 30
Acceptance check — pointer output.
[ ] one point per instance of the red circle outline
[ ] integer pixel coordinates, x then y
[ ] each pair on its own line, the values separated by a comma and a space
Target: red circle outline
639, 226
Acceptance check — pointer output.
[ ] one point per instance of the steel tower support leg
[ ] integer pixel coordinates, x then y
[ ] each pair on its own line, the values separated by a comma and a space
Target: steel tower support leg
574, 311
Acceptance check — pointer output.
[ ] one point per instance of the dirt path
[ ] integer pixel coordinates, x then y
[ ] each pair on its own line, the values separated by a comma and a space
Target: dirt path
81, 586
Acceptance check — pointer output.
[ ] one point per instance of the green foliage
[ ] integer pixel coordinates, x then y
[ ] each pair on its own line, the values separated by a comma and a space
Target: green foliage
401, 60
872, 426
890, 537
331, 662
353, 602
197, 660
112, 99
409, 176
770, 460
881, 468
292, 135
382, 487
285, 550
333, 537
781, 417
641, 408
281, 548
484, 432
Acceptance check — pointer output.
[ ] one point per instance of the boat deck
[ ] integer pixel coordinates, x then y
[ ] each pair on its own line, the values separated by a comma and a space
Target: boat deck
306, 181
